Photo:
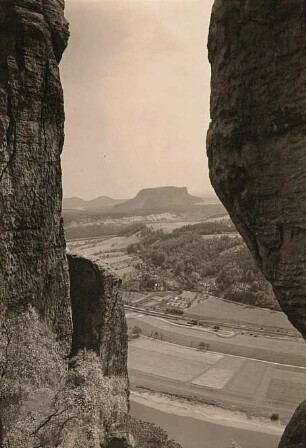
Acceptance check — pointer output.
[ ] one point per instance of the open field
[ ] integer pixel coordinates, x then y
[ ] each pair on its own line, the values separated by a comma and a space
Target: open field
168, 227
133, 297
245, 383
110, 250
222, 217
214, 378
288, 391
104, 244
217, 308
84, 243
145, 299
248, 378
219, 235
288, 351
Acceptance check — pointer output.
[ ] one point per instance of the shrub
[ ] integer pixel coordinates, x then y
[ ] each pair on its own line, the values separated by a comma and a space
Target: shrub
136, 331
148, 435
42, 402
31, 372
175, 311
203, 346
274, 416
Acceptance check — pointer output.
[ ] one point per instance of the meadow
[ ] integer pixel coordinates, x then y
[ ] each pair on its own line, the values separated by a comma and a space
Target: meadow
286, 351
243, 382
217, 308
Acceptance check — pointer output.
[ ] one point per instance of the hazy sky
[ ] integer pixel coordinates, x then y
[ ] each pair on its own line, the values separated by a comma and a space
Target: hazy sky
136, 83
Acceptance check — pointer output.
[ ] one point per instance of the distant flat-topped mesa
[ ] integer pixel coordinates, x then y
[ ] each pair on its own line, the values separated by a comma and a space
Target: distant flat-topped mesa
160, 198
256, 141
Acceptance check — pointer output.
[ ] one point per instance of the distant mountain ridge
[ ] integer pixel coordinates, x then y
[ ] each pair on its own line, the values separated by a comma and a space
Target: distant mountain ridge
160, 198
149, 200
102, 202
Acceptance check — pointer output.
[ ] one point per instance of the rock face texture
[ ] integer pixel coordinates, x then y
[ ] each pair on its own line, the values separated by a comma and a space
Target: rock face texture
98, 315
256, 140
33, 267
40, 396
295, 432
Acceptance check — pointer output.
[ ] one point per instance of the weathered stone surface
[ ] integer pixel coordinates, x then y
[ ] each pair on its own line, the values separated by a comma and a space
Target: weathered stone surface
256, 143
35, 311
98, 315
99, 326
33, 267
295, 432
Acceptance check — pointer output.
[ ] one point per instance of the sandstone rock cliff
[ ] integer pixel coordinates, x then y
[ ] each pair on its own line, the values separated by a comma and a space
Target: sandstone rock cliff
295, 432
33, 267
42, 401
256, 140
98, 315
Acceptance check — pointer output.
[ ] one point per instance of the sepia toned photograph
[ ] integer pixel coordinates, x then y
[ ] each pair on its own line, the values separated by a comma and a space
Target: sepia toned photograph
152, 224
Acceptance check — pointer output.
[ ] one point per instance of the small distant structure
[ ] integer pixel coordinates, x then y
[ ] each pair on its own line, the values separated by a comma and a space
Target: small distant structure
159, 286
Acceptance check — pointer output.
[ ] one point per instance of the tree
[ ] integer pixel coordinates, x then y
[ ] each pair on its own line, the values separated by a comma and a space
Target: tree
136, 331
157, 258
274, 416
98, 404
203, 346
148, 435
32, 370
42, 402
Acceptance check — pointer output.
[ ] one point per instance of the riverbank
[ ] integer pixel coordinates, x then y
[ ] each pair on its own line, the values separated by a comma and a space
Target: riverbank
196, 425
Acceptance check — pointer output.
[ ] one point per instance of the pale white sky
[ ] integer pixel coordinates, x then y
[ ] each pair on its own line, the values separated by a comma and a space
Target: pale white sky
136, 83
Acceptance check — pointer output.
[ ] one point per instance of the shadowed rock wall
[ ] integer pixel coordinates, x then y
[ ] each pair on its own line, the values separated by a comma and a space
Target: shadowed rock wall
295, 432
256, 143
98, 315
33, 267
39, 397
256, 140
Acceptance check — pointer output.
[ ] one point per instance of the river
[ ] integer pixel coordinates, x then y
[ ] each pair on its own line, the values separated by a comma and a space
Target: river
191, 432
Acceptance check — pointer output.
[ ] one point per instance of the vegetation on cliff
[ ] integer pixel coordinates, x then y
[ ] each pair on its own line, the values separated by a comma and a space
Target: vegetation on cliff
45, 402
148, 435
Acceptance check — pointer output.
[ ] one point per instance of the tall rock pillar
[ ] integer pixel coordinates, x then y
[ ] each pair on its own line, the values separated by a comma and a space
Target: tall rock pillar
256, 143
33, 267
35, 313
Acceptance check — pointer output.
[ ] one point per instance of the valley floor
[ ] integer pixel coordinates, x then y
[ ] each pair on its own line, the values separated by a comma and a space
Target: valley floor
233, 382
253, 364
284, 350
